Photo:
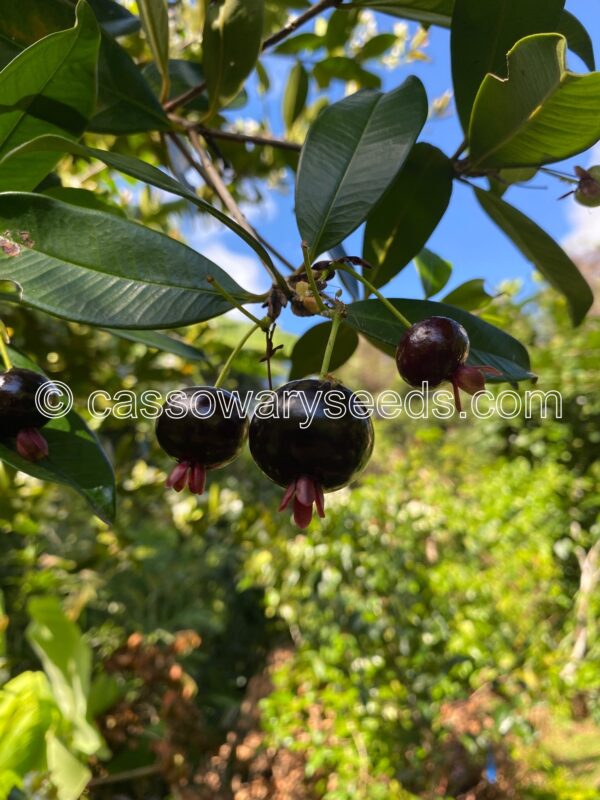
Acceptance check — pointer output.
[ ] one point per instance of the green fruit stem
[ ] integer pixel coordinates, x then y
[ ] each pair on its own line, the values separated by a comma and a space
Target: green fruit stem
4, 340
236, 350
265, 323
335, 326
311, 280
399, 316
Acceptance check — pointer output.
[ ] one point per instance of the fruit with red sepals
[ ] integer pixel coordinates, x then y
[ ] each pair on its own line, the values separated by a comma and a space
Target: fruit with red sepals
311, 437
20, 417
203, 428
435, 350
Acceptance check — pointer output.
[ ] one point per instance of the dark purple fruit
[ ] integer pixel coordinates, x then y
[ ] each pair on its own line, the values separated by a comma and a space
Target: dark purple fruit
431, 351
19, 415
312, 437
203, 429
435, 350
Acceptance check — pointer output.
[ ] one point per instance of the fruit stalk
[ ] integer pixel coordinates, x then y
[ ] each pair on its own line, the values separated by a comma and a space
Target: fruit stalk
4, 340
234, 353
399, 316
335, 326
262, 323
311, 280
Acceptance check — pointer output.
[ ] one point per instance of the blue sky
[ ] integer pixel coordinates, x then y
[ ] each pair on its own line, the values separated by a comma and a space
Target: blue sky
465, 236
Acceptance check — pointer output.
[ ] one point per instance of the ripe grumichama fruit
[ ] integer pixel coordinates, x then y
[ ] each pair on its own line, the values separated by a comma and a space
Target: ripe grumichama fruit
203, 429
435, 350
311, 437
20, 418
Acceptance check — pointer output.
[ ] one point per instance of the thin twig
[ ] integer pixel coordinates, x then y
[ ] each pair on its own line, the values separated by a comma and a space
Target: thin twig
127, 775
234, 136
184, 98
292, 26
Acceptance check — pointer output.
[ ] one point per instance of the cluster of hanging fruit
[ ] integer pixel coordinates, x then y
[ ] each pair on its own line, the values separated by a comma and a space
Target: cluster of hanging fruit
203, 430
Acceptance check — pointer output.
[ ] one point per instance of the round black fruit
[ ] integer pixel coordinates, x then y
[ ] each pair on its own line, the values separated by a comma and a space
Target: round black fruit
203, 429
431, 351
18, 411
311, 437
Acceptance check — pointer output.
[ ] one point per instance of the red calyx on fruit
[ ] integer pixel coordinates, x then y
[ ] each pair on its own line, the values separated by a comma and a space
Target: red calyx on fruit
31, 445
305, 492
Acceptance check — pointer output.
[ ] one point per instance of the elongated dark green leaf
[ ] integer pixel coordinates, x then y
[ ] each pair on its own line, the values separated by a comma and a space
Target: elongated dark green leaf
489, 345
83, 198
155, 21
539, 248
75, 457
231, 45
146, 173
93, 267
342, 174
482, 35
156, 340
376, 46
470, 296
296, 92
114, 19
339, 28
542, 113
303, 41
308, 351
402, 222
580, 42
48, 88
428, 12
126, 103
344, 69
434, 271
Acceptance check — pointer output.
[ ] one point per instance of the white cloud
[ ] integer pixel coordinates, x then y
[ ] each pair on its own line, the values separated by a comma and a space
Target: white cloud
584, 236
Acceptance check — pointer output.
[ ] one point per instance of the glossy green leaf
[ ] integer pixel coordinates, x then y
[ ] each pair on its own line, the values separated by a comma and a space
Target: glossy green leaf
155, 21
68, 774
231, 46
470, 296
126, 103
376, 46
148, 174
434, 271
541, 114
344, 69
505, 178
339, 28
579, 40
67, 661
489, 345
75, 457
341, 173
543, 252
156, 340
428, 12
482, 35
308, 351
114, 19
401, 224
48, 88
296, 92
83, 198
297, 44
93, 267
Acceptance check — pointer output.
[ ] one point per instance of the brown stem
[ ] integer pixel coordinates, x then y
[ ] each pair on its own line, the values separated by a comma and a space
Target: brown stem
184, 98
292, 26
127, 775
233, 136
